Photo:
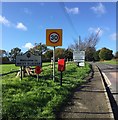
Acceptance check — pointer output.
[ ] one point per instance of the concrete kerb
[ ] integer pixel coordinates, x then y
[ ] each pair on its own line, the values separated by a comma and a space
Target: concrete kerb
106, 95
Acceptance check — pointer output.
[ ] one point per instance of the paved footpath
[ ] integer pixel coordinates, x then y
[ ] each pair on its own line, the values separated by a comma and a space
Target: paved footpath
89, 101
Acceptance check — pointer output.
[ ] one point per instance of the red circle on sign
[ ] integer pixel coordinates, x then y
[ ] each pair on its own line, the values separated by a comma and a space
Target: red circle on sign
56, 34
38, 70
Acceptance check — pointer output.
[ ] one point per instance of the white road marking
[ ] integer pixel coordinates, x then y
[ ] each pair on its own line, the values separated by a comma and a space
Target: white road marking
106, 79
108, 101
109, 66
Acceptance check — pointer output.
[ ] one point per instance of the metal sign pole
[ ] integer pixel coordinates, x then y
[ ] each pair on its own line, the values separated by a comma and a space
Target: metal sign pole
54, 64
61, 79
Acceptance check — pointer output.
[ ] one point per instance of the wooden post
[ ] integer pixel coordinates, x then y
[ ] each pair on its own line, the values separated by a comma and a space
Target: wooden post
61, 78
24, 68
37, 77
21, 76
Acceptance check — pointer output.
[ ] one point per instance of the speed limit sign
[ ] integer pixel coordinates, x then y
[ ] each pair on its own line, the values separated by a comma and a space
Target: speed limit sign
54, 37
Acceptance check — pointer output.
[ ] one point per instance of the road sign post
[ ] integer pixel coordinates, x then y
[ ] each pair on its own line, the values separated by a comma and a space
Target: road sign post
61, 78
54, 38
37, 77
61, 68
28, 59
79, 57
21, 76
38, 71
54, 64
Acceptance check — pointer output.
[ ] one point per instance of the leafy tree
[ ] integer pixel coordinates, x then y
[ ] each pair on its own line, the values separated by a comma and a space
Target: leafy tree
68, 54
47, 55
89, 53
14, 52
116, 55
3, 53
59, 53
39, 48
105, 54
96, 55
4, 57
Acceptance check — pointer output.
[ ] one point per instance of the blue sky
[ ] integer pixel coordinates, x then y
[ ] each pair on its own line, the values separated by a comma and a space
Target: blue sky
25, 23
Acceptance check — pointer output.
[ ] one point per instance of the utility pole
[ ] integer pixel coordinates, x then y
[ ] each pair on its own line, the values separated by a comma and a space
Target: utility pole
79, 42
41, 53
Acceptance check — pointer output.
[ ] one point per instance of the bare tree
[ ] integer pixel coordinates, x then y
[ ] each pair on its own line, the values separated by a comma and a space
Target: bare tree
91, 41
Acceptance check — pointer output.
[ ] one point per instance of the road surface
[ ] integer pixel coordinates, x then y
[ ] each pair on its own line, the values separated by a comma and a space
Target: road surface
89, 101
110, 73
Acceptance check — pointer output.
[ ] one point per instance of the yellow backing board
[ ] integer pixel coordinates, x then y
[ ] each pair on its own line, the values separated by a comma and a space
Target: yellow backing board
54, 37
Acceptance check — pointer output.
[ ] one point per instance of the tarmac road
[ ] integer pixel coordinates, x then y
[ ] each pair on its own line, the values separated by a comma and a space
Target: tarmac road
110, 73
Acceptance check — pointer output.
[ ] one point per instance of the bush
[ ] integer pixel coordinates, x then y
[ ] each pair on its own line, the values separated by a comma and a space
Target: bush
105, 54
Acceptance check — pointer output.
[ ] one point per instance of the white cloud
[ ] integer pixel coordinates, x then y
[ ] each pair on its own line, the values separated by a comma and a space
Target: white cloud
96, 30
113, 36
28, 46
74, 10
21, 26
99, 9
4, 21
7, 23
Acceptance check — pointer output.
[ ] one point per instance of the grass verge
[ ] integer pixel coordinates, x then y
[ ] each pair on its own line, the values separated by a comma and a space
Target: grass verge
112, 62
34, 99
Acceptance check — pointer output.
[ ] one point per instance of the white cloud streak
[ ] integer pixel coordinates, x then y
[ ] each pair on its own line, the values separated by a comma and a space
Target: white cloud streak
113, 36
28, 45
21, 26
7, 23
4, 21
96, 30
99, 9
74, 10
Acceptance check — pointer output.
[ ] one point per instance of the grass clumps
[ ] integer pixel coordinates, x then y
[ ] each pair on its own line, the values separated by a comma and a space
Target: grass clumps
29, 98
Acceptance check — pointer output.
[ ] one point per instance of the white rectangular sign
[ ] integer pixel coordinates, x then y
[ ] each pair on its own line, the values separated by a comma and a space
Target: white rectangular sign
28, 59
81, 64
79, 56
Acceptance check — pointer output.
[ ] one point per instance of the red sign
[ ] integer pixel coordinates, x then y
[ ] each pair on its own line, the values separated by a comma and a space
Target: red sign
38, 70
61, 65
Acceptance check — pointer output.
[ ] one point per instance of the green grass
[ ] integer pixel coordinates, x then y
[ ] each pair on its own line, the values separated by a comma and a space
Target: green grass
112, 62
7, 68
29, 98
